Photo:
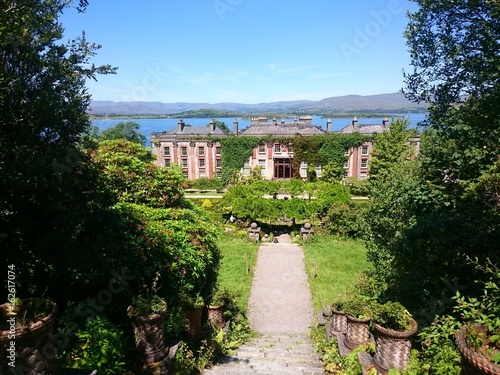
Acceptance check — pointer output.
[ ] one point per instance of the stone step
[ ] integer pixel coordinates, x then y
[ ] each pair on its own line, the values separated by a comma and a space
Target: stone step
271, 355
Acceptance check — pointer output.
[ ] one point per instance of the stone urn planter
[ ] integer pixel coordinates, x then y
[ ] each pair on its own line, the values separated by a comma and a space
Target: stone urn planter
339, 321
473, 362
26, 344
254, 232
149, 335
358, 332
392, 348
194, 322
216, 315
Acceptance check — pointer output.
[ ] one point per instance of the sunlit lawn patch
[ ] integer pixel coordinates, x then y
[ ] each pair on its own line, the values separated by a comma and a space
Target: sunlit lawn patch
238, 254
333, 266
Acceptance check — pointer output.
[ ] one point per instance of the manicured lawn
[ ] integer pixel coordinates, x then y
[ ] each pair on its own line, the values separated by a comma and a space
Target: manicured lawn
233, 274
332, 267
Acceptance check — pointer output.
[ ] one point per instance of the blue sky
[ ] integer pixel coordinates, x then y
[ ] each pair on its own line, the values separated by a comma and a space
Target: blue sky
247, 51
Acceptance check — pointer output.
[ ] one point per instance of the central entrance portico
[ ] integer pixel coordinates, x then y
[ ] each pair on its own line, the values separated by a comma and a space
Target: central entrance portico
283, 168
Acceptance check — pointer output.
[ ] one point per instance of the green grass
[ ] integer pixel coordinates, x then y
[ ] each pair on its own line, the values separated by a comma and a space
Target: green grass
332, 267
233, 274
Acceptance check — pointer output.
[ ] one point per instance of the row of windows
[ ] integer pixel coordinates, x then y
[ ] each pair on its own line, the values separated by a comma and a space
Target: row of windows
277, 148
201, 163
261, 164
364, 150
364, 163
184, 151
262, 150
218, 174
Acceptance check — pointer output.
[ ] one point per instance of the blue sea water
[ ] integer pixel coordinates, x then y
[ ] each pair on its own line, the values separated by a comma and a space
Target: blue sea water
148, 126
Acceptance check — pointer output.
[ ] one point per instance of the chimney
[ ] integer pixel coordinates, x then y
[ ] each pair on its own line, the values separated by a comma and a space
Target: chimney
329, 125
274, 120
212, 126
355, 122
235, 127
385, 122
295, 120
282, 121
180, 126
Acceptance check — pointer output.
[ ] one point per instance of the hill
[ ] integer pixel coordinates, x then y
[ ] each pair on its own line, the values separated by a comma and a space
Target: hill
393, 103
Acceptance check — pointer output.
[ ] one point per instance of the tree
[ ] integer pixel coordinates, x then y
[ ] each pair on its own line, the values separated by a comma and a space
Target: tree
455, 52
221, 125
48, 187
454, 48
124, 130
429, 215
390, 148
130, 173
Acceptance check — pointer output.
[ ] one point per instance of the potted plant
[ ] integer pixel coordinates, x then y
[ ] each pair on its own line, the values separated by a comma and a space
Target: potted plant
215, 308
25, 329
339, 317
193, 310
359, 313
479, 340
147, 315
479, 346
395, 327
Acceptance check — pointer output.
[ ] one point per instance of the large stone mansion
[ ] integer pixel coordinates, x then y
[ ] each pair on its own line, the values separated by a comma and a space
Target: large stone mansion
197, 151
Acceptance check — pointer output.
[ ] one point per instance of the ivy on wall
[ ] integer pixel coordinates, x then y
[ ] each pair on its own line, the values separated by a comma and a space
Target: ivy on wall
235, 150
324, 149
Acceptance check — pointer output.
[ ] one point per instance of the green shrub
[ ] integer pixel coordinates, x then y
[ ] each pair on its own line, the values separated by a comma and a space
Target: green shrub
358, 307
439, 354
392, 315
346, 220
97, 345
357, 187
205, 183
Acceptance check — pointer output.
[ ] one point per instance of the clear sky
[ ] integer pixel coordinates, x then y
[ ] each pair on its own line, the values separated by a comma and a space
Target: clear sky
246, 51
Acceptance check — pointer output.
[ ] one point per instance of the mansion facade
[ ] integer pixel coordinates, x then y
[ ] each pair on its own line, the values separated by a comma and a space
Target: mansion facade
198, 152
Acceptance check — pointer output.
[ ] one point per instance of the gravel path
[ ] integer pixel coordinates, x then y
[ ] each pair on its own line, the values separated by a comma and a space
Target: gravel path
280, 310
280, 300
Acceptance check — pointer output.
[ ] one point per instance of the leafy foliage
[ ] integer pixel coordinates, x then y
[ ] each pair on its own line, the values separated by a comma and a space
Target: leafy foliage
249, 201
98, 345
205, 183
48, 186
130, 173
439, 354
484, 310
346, 220
454, 51
330, 356
124, 130
235, 151
390, 148
328, 149
392, 315
180, 245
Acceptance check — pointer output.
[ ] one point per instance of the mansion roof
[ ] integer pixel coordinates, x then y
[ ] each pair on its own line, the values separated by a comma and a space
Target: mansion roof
354, 127
185, 130
263, 127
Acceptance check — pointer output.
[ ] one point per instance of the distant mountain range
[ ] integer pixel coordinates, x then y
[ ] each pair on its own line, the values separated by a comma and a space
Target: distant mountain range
381, 103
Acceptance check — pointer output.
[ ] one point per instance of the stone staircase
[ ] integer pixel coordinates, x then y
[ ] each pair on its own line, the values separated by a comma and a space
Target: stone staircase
271, 355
